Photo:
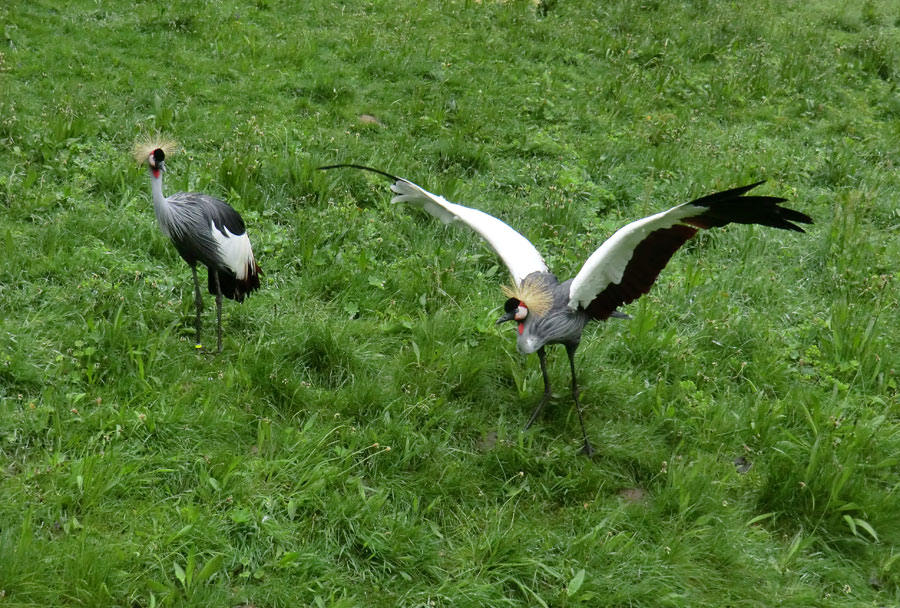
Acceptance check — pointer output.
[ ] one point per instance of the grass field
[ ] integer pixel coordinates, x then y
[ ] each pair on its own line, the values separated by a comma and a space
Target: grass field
358, 442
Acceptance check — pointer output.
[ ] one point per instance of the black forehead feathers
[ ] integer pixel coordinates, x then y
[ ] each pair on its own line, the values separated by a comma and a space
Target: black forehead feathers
159, 155
511, 305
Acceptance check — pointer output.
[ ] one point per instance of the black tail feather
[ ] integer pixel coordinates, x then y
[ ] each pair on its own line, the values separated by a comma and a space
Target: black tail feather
232, 287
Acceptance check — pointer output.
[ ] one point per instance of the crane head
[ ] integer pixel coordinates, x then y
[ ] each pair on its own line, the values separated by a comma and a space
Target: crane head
156, 160
534, 293
515, 310
154, 153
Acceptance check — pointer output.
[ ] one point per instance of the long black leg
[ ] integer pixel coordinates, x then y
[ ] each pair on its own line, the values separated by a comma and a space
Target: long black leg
218, 311
588, 449
198, 302
543, 358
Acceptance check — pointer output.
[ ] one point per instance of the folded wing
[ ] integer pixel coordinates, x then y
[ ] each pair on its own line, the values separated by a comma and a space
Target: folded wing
624, 267
517, 252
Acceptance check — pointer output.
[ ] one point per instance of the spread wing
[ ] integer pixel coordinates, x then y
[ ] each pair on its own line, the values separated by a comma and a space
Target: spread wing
517, 252
628, 263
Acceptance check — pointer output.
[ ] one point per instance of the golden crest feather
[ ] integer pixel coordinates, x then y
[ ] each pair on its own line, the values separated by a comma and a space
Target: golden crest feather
142, 150
534, 292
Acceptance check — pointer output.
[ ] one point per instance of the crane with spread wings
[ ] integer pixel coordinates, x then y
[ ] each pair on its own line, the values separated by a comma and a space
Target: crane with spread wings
623, 268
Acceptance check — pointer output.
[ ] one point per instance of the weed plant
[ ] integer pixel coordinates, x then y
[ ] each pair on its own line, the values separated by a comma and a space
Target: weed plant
358, 442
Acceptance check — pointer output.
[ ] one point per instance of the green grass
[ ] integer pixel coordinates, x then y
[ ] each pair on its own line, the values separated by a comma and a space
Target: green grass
358, 442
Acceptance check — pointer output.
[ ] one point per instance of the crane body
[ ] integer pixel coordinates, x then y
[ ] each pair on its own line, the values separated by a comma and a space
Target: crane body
203, 229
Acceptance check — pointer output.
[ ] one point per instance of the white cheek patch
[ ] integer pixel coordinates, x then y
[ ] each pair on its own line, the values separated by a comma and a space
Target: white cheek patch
521, 313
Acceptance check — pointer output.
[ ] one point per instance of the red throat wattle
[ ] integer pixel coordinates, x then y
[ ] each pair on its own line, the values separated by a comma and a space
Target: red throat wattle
521, 327
155, 173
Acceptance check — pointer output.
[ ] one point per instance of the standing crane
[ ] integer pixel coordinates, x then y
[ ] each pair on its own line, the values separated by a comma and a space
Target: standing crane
623, 268
203, 229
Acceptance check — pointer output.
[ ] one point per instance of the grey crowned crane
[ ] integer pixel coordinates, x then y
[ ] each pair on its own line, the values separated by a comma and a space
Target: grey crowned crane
206, 230
624, 267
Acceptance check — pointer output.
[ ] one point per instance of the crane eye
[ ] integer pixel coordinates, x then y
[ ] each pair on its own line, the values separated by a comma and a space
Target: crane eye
521, 312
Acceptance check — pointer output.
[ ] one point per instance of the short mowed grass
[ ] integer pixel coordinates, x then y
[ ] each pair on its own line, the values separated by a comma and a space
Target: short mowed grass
359, 442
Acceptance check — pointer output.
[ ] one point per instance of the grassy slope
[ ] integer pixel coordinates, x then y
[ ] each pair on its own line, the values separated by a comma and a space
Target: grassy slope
137, 472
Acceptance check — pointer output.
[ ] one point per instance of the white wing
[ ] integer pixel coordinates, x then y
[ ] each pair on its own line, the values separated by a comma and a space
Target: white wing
517, 252
237, 254
606, 266
628, 263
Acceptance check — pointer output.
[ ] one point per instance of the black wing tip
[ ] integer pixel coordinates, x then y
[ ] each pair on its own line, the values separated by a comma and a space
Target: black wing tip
749, 187
792, 215
778, 216
362, 167
785, 214
790, 226
730, 194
